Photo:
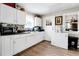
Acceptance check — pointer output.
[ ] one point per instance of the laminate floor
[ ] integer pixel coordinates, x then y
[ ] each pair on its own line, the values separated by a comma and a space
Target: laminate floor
46, 49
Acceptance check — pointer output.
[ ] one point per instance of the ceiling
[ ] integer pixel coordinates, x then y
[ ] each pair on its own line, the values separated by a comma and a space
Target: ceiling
47, 8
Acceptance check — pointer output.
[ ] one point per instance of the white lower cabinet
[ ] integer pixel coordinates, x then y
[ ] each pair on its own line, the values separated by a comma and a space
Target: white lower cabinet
34, 39
13, 44
7, 46
19, 44
60, 40
29, 41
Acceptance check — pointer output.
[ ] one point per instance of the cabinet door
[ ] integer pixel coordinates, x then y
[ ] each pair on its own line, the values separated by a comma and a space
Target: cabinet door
8, 14
37, 38
34, 39
19, 44
21, 17
7, 46
7, 50
30, 41
60, 40
2, 52
11, 46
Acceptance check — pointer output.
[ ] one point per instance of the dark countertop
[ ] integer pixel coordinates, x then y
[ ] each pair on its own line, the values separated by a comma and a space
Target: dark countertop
14, 34
20, 33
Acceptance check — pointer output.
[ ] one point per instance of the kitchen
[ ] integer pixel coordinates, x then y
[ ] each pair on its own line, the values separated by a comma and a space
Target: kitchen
21, 30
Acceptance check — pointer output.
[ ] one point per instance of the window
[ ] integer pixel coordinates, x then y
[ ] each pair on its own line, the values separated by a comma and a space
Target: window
29, 21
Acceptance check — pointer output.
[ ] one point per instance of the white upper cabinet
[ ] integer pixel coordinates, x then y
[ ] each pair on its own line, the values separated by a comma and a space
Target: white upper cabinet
21, 17
11, 15
38, 21
8, 14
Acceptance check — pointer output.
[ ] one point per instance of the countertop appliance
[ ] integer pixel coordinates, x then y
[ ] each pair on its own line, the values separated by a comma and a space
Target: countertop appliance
38, 28
10, 29
6, 29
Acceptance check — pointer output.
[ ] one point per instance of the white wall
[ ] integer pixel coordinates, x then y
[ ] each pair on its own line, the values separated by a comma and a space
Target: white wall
50, 29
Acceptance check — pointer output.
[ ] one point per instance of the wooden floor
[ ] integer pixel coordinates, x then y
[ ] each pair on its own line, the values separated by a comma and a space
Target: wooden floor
46, 49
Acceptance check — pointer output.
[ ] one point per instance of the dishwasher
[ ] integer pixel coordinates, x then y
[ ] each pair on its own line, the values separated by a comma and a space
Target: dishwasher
72, 42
